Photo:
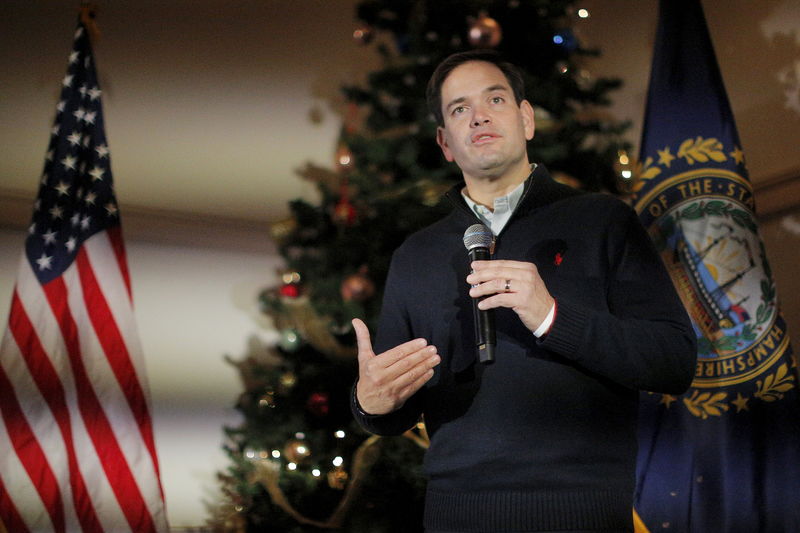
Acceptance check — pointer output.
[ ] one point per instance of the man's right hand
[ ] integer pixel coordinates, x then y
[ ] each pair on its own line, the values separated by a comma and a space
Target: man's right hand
386, 381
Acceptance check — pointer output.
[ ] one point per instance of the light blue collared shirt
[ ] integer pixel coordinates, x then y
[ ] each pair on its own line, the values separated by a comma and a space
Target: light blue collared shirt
496, 219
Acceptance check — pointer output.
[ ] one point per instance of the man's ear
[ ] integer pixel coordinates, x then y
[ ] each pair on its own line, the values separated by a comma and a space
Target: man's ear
527, 119
441, 140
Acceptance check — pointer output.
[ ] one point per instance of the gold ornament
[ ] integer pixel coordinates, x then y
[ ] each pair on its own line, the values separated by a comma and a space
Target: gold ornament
296, 450
485, 32
282, 229
544, 119
314, 328
267, 400
363, 35
337, 478
288, 380
567, 179
357, 287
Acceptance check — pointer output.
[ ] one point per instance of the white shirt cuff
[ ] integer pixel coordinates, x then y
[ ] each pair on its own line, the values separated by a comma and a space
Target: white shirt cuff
548, 321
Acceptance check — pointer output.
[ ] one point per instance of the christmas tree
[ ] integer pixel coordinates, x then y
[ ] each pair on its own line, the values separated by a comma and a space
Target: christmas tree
298, 461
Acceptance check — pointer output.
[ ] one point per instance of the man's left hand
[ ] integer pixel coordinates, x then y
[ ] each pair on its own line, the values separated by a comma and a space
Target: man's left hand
513, 284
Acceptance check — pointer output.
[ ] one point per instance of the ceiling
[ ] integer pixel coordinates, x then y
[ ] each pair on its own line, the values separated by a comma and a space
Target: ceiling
212, 106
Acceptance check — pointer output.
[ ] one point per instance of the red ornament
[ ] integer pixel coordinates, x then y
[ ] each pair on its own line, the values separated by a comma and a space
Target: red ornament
344, 213
291, 290
319, 404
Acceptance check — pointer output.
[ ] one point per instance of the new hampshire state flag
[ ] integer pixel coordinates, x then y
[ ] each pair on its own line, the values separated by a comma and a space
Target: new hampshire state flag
725, 456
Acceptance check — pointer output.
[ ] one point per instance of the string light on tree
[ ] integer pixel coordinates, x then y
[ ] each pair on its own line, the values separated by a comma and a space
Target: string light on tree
566, 39
344, 158
290, 340
624, 165
291, 285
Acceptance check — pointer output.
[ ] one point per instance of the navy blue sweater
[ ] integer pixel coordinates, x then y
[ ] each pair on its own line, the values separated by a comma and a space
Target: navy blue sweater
545, 438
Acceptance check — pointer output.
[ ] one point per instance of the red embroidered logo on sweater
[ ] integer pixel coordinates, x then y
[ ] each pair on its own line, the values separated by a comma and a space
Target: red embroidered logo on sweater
558, 258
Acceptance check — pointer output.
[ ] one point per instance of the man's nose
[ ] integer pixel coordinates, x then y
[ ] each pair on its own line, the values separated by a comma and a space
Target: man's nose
480, 117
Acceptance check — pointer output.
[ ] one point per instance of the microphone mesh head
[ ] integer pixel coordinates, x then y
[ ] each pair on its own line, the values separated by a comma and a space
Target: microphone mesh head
478, 236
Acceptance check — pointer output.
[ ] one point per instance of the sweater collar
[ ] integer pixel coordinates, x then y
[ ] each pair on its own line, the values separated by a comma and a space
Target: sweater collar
540, 189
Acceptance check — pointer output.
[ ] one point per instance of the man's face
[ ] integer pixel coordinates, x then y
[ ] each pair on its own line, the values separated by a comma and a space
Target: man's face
485, 131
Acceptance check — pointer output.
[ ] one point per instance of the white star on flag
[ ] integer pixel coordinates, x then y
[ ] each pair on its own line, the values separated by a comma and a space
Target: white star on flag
88, 117
75, 138
67, 80
44, 262
73, 57
49, 237
56, 212
85, 222
95, 93
111, 208
102, 151
97, 173
70, 244
75, 219
90, 198
62, 188
69, 162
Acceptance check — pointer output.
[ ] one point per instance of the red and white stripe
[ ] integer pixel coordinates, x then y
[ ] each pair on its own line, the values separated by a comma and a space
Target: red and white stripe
77, 451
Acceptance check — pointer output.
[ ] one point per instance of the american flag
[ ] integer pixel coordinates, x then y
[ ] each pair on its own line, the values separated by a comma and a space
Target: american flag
76, 439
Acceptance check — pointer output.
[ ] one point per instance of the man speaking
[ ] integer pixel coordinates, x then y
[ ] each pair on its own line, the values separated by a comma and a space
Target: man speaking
542, 438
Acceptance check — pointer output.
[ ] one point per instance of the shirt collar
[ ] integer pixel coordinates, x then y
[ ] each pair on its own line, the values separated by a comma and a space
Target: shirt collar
503, 207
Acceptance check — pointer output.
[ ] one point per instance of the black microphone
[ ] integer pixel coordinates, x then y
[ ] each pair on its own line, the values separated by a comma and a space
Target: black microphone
478, 240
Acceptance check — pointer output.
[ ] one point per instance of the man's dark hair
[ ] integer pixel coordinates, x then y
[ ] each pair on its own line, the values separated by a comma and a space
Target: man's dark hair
433, 93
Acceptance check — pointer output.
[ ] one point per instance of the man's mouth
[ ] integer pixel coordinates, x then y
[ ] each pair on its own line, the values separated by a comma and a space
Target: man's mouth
482, 137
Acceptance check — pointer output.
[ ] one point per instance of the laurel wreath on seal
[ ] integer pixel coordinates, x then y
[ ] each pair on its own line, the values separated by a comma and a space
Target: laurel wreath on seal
706, 404
691, 150
775, 385
702, 150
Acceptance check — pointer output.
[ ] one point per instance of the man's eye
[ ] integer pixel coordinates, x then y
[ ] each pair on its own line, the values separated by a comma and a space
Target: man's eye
458, 109
497, 99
